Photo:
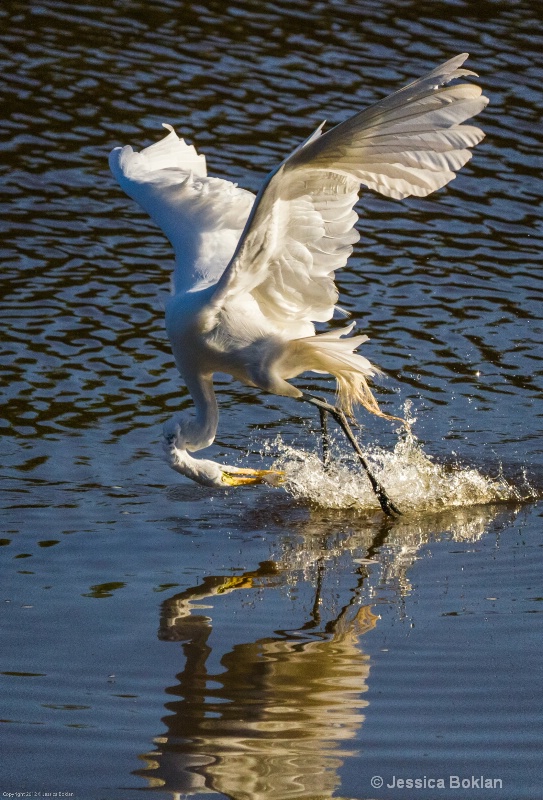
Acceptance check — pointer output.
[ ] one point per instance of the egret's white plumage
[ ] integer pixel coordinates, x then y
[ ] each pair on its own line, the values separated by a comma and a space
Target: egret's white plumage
252, 276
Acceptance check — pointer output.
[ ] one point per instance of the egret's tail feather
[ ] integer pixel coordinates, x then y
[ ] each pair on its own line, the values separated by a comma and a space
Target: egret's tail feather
333, 352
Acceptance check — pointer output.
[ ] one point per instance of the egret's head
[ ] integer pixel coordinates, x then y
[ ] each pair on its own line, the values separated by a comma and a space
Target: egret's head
176, 444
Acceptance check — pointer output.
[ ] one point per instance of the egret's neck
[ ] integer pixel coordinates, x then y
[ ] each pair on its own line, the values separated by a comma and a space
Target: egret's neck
200, 432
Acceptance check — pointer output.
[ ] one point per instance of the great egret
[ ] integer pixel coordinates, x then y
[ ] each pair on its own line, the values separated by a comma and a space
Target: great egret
252, 276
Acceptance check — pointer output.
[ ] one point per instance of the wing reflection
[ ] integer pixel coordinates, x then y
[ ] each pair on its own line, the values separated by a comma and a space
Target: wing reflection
279, 718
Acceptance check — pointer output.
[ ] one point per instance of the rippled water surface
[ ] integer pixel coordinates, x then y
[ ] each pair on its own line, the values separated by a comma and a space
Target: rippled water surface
160, 639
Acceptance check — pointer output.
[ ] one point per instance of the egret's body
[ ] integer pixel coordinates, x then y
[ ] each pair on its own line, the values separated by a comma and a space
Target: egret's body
252, 276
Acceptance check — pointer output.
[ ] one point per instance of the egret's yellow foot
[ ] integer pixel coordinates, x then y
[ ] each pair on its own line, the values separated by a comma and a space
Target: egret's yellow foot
244, 477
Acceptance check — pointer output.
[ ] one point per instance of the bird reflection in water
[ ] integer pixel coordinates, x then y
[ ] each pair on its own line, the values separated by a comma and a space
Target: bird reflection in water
273, 723
283, 714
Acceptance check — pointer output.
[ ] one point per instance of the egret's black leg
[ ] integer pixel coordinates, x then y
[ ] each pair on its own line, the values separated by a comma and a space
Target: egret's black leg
325, 438
385, 502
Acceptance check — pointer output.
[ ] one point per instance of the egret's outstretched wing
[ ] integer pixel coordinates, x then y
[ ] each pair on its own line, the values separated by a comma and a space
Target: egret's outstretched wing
301, 226
202, 217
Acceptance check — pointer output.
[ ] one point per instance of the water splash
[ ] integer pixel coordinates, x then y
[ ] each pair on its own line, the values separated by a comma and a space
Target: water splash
413, 479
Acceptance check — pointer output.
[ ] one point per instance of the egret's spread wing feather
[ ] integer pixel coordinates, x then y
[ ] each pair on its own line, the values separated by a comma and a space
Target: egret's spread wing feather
300, 228
401, 154
316, 223
202, 217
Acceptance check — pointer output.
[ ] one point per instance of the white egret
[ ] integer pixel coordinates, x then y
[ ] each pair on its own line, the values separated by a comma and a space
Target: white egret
253, 275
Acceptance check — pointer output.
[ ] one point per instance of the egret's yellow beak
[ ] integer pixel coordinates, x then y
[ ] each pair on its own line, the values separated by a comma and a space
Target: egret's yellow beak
236, 582
243, 477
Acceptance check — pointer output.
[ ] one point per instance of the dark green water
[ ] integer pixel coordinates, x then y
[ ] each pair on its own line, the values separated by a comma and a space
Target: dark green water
163, 640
